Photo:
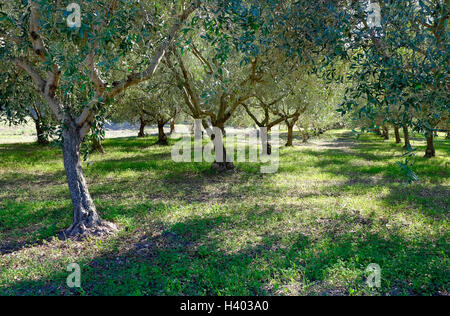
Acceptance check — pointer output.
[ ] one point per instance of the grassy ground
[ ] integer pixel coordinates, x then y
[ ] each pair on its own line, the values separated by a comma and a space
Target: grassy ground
335, 206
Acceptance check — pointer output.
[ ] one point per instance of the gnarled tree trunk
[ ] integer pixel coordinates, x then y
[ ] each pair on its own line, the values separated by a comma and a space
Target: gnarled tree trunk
290, 125
222, 128
448, 135
86, 220
290, 136
398, 139
385, 132
221, 164
162, 137
430, 151
142, 126
406, 135
377, 131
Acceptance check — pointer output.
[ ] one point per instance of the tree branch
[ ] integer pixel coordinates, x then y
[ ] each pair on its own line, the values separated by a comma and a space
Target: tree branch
135, 78
254, 118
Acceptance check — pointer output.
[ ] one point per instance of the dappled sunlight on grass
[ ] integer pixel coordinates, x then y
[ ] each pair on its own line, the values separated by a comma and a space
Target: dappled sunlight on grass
334, 207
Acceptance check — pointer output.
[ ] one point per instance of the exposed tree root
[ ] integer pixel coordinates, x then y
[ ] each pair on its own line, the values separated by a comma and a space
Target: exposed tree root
84, 229
223, 166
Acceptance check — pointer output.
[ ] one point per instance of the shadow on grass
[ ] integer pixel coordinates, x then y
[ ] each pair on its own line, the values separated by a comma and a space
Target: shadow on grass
193, 257
432, 201
188, 183
30, 224
28, 153
204, 255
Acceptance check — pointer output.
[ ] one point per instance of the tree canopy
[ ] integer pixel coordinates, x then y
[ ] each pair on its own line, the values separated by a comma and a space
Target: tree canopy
279, 62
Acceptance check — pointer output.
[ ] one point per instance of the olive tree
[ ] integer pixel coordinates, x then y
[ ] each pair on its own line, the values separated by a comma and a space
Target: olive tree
19, 104
79, 71
150, 104
402, 62
212, 90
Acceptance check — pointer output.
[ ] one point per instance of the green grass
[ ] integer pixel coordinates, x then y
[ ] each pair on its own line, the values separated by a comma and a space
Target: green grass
335, 206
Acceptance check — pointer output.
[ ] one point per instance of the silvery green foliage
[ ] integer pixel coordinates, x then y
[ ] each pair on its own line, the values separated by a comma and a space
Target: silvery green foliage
108, 30
400, 69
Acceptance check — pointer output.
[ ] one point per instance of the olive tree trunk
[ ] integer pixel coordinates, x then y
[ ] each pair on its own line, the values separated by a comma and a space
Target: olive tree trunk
430, 151
41, 137
385, 132
223, 163
162, 137
142, 126
265, 143
86, 220
406, 135
398, 139
290, 136
172, 126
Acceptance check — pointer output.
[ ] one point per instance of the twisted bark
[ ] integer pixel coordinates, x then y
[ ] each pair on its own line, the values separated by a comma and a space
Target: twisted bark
86, 220
162, 137
142, 127
385, 132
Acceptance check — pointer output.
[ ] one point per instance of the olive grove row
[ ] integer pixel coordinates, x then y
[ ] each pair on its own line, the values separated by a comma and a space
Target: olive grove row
304, 64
